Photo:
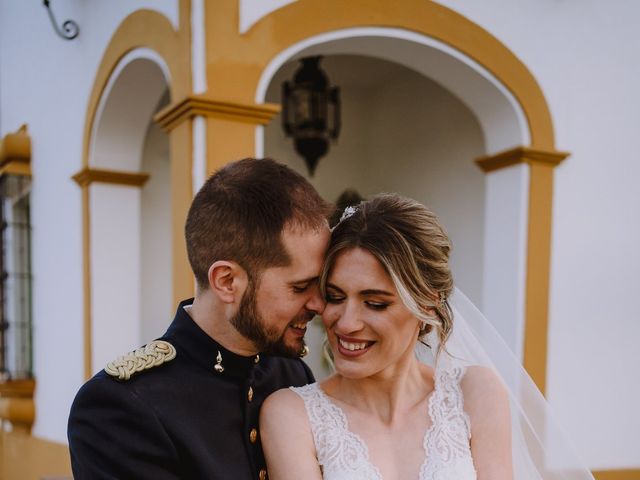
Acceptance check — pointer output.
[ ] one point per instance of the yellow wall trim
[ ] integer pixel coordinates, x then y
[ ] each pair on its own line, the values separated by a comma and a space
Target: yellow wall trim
16, 402
234, 72
17, 410
519, 155
617, 474
26, 457
15, 153
538, 259
87, 176
150, 29
173, 115
17, 388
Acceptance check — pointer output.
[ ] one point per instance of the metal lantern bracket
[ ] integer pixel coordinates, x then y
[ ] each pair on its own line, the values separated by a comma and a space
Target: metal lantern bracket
69, 30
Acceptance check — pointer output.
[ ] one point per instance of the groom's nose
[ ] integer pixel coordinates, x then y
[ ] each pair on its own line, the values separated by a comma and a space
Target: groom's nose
315, 303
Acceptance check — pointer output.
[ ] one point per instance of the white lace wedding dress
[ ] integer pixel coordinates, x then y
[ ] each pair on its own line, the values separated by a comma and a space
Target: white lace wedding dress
343, 455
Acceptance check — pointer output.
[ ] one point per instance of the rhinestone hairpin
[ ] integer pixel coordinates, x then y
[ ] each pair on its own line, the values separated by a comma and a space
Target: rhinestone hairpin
348, 212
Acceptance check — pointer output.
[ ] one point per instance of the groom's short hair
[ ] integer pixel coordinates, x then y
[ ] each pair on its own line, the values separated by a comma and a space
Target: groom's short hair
240, 212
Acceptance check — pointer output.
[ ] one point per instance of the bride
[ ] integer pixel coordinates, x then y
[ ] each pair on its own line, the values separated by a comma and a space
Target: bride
385, 414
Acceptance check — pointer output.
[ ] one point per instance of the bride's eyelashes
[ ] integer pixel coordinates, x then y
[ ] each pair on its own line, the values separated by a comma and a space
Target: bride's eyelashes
377, 305
336, 299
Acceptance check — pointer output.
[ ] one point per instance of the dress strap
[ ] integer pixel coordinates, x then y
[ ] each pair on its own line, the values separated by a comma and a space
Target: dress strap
447, 441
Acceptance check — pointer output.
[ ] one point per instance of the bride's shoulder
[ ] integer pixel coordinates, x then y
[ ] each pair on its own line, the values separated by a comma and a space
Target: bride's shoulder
283, 401
484, 392
283, 415
286, 436
478, 380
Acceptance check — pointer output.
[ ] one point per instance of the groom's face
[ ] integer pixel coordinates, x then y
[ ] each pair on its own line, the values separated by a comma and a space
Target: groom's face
275, 312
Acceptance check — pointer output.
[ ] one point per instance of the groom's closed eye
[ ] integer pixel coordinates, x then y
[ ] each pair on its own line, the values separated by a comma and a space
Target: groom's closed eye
303, 286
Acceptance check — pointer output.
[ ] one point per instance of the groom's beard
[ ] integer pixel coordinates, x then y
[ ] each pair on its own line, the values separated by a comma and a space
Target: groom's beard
251, 325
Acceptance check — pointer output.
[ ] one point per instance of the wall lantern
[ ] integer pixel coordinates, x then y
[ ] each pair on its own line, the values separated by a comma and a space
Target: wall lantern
311, 111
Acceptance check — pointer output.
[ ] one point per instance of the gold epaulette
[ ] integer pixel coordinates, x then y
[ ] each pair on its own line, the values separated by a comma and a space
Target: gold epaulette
151, 355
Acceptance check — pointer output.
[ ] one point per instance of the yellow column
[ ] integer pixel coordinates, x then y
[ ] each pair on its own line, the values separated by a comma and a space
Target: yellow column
230, 136
180, 142
536, 316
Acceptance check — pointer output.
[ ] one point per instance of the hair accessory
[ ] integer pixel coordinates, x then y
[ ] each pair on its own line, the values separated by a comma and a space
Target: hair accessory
218, 366
348, 212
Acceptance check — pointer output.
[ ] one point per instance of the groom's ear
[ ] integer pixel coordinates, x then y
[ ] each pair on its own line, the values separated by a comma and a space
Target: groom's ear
227, 280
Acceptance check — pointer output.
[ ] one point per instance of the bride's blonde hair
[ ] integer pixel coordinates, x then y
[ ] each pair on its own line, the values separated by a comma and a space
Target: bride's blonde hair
412, 246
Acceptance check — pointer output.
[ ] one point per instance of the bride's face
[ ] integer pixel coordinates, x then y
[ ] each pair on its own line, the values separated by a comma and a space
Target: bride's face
369, 329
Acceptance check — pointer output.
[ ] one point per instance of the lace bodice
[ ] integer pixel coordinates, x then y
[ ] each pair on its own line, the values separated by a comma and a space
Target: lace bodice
343, 455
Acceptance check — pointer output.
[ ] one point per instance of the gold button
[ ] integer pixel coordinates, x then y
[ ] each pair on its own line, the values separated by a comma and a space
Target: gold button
253, 436
250, 394
263, 474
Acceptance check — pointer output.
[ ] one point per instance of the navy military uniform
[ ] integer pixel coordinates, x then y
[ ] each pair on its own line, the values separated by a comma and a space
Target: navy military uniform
185, 418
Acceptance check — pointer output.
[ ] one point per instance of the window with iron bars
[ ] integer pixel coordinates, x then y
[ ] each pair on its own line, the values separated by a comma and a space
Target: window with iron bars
16, 356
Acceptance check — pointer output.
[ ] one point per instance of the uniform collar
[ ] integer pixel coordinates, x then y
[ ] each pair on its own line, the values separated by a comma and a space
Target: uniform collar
203, 349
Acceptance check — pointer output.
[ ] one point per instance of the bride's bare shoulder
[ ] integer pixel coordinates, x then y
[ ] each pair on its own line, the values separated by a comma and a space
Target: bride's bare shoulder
485, 395
286, 437
283, 402
486, 403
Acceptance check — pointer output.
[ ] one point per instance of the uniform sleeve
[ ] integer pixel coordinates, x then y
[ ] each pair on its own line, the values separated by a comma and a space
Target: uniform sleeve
308, 372
113, 434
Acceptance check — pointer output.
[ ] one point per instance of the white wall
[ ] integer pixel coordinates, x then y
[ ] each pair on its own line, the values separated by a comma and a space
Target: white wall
155, 242
115, 271
45, 82
504, 281
422, 142
586, 57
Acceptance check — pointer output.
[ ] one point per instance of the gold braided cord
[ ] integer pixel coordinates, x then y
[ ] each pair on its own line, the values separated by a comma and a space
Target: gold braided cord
151, 355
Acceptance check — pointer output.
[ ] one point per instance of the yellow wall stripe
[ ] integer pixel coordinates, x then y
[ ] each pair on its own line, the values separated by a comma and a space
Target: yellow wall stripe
541, 164
86, 176
15, 153
617, 474
191, 106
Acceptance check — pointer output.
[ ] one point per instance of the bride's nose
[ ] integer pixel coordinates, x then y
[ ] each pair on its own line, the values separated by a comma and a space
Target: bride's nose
349, 319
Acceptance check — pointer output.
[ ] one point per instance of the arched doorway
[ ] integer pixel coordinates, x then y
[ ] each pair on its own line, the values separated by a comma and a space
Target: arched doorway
130, 210
416, 114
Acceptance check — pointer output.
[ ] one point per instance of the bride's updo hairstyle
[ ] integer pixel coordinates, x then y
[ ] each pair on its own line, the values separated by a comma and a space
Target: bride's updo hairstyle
412, 246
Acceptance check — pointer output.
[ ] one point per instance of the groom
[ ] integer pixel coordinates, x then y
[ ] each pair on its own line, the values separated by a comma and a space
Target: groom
186, 405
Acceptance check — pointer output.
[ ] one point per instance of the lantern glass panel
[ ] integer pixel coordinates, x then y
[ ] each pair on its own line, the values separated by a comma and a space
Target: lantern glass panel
302, 111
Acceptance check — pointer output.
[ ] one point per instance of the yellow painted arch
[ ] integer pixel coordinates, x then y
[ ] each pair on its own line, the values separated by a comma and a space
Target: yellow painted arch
234, 73
253, 50
141, 29
152, 30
